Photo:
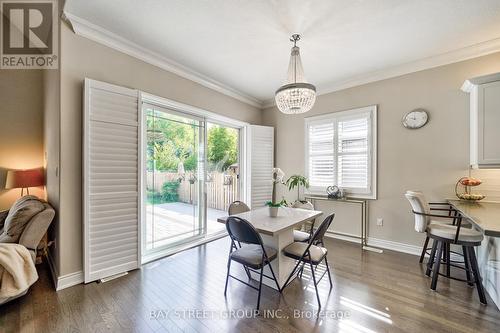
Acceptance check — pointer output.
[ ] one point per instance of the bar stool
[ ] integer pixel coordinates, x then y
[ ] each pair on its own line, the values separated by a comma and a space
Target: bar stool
452, 220
443, 235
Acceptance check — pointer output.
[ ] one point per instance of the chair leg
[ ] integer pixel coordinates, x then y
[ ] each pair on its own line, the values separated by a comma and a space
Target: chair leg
301, 270
274, 277
424, 250
467, 266
248, 272
328, 271
477, 276
260, 286
227, 276
315, 284
291, 275
448, 259
431, 258
437, 264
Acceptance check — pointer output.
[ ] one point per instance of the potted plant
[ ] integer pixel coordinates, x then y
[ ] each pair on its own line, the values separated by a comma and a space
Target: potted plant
274, 205
296, 181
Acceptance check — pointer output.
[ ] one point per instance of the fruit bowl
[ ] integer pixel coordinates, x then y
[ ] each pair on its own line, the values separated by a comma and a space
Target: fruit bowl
471, 197
463, 189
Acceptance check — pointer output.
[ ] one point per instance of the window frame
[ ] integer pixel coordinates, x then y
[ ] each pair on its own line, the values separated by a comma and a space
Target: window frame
371, 112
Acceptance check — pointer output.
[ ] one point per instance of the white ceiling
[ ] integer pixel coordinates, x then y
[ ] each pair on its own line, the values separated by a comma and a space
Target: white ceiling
244, 44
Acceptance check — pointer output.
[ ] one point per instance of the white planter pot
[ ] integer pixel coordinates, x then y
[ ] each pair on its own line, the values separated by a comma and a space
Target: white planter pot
273, 211
303, 205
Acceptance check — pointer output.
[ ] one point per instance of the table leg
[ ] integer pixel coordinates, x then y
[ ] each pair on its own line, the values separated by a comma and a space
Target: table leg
282, 265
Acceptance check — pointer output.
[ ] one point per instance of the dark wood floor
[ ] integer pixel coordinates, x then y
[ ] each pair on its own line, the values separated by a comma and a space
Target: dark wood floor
375, 292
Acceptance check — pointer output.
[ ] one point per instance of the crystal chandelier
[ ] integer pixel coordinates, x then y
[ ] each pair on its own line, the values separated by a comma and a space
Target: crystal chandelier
296, 96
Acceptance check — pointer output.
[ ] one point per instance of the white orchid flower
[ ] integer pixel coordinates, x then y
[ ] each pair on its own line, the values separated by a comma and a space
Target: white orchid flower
279, 174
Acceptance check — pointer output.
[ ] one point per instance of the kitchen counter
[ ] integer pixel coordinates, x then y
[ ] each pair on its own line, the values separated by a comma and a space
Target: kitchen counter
485, 215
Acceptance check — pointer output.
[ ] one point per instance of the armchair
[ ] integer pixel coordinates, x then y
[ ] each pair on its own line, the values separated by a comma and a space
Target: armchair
25, 223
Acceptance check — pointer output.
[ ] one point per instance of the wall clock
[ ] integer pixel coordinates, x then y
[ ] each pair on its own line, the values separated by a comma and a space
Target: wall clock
415, 119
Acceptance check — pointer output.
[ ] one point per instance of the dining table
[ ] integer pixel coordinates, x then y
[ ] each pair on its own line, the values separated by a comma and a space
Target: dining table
277, 232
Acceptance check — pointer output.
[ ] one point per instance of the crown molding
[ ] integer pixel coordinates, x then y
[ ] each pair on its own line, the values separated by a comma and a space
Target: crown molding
468, 52
100, 35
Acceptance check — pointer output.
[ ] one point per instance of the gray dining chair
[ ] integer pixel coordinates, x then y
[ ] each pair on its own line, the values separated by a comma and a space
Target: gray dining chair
309, 253
304, 236
252, 254
237, 207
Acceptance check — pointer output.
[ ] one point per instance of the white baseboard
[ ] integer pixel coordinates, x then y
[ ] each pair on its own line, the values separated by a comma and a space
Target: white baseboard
395, 246
63, 281
381, 243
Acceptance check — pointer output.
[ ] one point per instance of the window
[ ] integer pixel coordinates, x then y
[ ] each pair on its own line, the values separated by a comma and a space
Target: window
341, 150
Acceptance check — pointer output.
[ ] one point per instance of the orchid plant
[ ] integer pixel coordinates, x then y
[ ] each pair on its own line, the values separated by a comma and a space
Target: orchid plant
278, 176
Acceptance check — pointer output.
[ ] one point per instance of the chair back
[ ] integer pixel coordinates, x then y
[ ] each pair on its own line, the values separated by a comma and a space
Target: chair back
237, 207
240, 230
320, 232
419, 206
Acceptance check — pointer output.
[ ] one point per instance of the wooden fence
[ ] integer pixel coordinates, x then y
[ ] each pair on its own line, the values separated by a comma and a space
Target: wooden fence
222, 189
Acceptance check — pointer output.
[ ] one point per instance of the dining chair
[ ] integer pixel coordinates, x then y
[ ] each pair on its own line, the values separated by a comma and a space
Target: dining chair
443, 235
304, 236
237, 207
308, 253
253, 254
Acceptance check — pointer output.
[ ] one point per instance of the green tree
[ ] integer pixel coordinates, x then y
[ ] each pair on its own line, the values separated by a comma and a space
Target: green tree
222, 146
169, 143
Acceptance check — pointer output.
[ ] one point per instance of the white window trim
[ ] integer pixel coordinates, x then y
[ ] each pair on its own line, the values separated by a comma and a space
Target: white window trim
372, 151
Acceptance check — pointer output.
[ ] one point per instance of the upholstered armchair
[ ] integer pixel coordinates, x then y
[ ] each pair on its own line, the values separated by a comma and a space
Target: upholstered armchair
26, 222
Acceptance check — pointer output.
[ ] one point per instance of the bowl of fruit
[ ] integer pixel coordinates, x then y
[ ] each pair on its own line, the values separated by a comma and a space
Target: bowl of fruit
463, 189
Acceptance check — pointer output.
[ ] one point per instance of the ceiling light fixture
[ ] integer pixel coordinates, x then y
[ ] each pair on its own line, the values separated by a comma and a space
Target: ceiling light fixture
296, 96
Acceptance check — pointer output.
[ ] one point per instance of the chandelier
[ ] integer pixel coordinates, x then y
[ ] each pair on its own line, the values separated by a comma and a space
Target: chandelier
296, 96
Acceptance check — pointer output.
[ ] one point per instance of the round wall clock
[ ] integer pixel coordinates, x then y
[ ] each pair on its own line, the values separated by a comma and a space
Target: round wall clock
415, 119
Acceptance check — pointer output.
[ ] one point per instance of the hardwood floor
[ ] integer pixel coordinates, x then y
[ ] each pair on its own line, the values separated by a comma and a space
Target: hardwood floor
374, 292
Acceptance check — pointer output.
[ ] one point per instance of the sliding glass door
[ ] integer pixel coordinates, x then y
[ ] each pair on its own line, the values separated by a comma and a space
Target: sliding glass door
223, 181
175, 158
193, 168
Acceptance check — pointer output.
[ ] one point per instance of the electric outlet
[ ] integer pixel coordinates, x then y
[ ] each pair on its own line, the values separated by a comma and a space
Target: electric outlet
380, 221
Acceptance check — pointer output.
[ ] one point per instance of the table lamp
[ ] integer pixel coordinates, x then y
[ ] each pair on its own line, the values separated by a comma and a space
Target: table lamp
24, 179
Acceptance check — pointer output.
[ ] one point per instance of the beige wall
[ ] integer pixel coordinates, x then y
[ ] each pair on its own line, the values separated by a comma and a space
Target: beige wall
21, 138
82, 58
51, 133
430, 159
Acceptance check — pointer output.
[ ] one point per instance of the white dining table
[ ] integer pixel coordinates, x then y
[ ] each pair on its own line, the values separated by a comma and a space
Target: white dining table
277, 232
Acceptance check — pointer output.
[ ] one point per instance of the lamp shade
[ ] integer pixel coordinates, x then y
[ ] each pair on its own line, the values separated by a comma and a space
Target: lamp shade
24, 178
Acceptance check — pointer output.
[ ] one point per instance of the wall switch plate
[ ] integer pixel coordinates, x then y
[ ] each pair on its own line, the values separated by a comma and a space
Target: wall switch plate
380, 221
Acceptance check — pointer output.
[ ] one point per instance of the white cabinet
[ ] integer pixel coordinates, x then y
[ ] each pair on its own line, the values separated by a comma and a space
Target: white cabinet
484, 120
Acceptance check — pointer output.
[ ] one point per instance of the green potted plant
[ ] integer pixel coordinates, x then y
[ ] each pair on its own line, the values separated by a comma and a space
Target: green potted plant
274, 205
298, 181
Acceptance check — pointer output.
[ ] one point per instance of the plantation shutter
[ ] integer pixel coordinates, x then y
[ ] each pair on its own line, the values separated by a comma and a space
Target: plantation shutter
340, 149
261, 164
321, 154
111, 180
352, 161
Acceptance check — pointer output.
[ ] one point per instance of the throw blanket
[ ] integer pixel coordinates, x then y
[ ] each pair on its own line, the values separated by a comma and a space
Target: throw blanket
17, 270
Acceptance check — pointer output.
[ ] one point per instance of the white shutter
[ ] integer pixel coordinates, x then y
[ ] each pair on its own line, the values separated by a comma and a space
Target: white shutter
111, 180
341, 150
352, 162
321, 153
261, 164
